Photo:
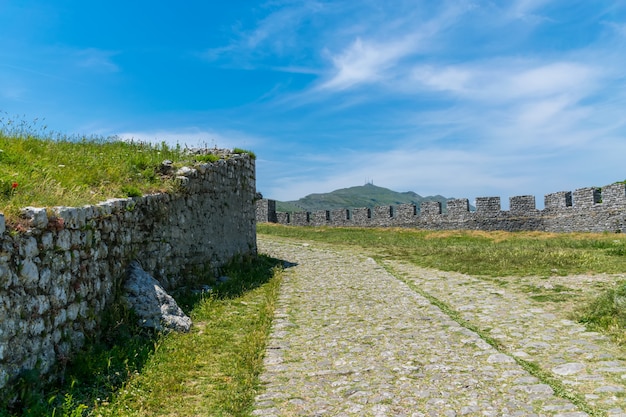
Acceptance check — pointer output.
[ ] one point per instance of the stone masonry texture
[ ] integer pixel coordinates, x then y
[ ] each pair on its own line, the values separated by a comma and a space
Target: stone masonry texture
585, 210
58, 277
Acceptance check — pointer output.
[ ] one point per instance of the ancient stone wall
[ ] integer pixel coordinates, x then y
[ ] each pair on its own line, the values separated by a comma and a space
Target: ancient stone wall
58, 276
585, 210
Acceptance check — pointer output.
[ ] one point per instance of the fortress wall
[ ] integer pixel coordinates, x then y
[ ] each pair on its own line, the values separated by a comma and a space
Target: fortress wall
589, 209
559, 200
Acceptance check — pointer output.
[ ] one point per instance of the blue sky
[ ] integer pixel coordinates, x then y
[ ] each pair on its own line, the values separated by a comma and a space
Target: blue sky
459, 98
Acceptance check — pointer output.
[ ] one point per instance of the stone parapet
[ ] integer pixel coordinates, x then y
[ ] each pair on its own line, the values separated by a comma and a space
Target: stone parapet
589, 209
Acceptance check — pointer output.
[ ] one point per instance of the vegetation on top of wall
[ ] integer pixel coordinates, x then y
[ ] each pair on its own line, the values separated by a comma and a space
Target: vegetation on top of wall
244, 151
44, 169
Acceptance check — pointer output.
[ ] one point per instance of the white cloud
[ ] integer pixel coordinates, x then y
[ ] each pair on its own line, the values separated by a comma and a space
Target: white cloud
381, 49
427, 172
471, 173
503, 80
521, 105
552, 78
366, 62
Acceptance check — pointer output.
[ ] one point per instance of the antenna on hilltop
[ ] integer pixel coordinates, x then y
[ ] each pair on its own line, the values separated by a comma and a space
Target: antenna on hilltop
369, 181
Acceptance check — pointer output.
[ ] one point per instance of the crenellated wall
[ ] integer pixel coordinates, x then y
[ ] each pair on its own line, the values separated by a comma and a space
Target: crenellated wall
58, 276
585, 210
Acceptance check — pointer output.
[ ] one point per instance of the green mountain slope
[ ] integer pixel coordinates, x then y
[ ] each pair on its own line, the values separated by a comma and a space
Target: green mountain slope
367, 195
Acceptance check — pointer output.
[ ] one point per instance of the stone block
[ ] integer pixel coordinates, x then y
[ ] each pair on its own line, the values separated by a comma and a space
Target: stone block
458, 206
37, 217
522, 204
559, 200
487, 205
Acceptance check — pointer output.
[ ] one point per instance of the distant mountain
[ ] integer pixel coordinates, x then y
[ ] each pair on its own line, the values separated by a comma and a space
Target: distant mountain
367, 195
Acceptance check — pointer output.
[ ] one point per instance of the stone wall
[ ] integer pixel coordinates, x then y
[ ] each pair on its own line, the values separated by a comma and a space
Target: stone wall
58, 276
585, 210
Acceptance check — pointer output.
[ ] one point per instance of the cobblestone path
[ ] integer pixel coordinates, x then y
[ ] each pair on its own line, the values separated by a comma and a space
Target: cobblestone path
352, 339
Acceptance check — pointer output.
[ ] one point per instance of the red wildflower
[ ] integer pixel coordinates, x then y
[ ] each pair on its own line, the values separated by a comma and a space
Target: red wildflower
14, 185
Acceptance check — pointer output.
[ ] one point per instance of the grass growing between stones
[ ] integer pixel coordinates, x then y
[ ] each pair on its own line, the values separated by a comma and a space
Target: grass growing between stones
607, 313
212, 370
532, 368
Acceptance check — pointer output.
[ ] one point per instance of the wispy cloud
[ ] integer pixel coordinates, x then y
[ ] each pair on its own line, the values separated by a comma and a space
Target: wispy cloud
95, 59
528, 10
526, 122
366, 62
382, 56
508, 79
276, 34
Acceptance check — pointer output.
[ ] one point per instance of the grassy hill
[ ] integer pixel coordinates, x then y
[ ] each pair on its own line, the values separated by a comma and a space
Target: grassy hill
367, 195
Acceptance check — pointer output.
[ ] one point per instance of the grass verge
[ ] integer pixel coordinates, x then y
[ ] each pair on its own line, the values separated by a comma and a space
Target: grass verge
212, 370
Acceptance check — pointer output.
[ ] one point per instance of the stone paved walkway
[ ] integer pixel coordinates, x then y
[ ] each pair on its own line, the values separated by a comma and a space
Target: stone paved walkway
351, 339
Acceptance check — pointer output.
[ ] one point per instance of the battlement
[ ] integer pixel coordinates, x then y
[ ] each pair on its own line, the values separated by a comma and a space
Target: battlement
590, 209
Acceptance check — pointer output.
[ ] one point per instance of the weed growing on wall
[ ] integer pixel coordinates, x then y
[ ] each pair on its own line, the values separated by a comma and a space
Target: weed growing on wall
242, 151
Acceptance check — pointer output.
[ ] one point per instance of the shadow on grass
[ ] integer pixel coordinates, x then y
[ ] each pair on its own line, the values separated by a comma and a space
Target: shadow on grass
105, 365
242, 274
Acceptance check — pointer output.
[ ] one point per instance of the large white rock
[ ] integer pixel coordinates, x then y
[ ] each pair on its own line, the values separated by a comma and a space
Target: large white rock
154, 307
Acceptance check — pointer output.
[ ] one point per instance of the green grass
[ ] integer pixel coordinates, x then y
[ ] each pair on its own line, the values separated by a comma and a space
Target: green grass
494, 254
44, 173
213, 370
607, 313
43, 169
